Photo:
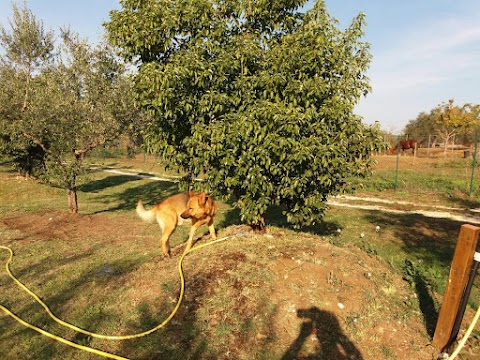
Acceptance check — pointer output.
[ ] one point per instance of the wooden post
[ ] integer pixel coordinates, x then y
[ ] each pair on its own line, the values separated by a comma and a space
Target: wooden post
457, 281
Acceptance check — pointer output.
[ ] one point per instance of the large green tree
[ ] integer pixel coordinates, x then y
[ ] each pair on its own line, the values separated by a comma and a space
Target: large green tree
256, 95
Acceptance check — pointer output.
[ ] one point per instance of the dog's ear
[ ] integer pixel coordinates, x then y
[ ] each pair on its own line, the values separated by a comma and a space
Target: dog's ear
203, 199
210, 206
190, 193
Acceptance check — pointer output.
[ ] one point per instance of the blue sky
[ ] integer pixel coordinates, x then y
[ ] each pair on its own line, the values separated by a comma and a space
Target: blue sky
424, 52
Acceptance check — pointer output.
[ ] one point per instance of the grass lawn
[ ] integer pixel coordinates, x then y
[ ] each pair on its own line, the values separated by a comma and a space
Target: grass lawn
343, 288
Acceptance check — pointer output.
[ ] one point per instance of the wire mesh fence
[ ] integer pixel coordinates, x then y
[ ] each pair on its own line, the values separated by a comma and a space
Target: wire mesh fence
432, 169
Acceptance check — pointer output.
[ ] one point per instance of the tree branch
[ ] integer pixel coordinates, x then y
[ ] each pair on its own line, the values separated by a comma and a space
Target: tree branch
37, 142
79, 152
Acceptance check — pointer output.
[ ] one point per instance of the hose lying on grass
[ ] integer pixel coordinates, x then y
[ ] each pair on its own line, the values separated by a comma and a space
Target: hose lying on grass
133, 336
86, 332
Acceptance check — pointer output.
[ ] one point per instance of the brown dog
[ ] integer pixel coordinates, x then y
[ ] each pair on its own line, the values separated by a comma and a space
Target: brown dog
199, 207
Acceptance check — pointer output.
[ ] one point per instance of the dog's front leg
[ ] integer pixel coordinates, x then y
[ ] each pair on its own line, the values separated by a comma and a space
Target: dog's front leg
195, 225
190, 240
211, 229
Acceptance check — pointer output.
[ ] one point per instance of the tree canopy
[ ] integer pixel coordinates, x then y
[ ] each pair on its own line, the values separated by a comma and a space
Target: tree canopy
255, 95
445, 122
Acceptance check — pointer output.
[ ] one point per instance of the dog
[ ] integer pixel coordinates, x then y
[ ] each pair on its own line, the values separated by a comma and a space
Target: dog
200, 208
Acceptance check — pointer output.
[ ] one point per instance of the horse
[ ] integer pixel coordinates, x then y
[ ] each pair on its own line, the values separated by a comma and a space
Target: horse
405, 145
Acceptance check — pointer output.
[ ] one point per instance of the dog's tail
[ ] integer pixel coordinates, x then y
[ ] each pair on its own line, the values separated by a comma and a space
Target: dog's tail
145, 215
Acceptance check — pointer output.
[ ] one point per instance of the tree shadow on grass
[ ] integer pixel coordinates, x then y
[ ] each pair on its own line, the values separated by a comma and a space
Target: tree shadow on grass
151, 193
179, 338
431, 240
275, 217
465, 203
107, 182
231, 217
106, 275
8, 164
429, 244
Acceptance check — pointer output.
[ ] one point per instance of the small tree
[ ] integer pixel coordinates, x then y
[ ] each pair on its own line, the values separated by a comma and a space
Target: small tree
27, 49
421, 127
468, 134
451, 119
72, 110
76, 101
254, 94
28, 46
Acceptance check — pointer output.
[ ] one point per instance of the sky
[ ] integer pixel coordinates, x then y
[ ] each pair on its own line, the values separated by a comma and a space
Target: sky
423, 52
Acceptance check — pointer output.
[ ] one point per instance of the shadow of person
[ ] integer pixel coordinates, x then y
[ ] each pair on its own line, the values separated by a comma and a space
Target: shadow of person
326, 339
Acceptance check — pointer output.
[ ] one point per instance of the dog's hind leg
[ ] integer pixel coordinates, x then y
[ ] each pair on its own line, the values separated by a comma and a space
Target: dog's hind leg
167, 230
165, 243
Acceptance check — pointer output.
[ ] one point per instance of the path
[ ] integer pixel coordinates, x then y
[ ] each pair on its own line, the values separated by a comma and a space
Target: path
445, 212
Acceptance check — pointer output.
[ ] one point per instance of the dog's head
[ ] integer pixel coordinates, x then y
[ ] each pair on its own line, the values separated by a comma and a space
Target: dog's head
199, 206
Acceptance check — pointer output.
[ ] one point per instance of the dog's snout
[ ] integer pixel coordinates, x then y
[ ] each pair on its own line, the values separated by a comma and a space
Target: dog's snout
185, 215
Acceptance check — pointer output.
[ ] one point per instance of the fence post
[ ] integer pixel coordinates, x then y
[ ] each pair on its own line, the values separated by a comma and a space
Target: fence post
464, 302
457, 281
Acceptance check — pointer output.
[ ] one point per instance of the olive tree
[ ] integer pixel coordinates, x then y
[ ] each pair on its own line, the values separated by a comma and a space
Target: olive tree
255, 95
451, 120
26, 50
75, 99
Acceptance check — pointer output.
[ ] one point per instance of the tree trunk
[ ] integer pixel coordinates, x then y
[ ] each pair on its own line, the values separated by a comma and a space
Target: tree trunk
27, 87
28, 166
445, 147
71, 183
72, 200
259, 228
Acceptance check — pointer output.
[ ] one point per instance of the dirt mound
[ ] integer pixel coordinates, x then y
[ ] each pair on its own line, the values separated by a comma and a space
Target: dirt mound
345, 292
329, 302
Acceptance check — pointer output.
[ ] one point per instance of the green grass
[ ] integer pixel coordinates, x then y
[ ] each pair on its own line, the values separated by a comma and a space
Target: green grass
98, 282
438, 181
417, 182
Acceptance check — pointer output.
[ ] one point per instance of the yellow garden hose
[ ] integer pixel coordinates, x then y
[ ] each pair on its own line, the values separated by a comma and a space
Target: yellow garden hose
94, 335
465, 337
133, 336
60, 339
